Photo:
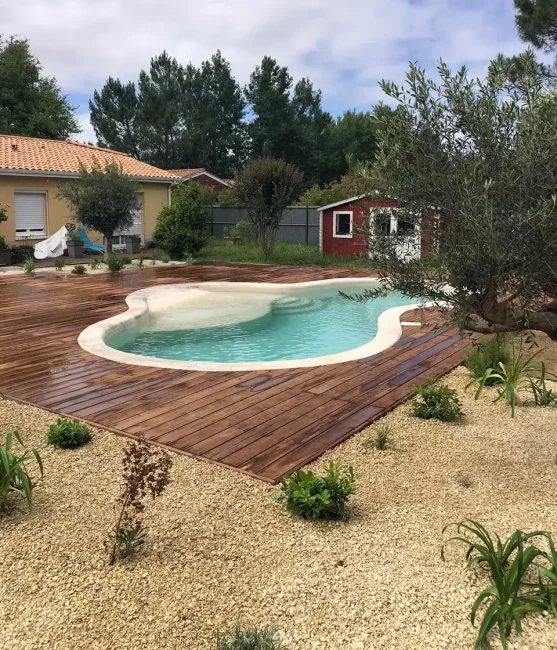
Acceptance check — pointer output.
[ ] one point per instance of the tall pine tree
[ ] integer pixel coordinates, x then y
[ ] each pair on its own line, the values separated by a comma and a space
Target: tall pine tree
31, 104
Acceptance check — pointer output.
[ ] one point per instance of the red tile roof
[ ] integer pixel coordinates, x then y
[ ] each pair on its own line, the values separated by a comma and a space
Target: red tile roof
22, 154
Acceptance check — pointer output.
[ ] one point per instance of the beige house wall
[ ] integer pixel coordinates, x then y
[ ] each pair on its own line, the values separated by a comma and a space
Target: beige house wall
154, 196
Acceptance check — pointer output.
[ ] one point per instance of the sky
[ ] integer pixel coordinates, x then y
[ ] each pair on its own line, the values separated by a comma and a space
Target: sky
345, 48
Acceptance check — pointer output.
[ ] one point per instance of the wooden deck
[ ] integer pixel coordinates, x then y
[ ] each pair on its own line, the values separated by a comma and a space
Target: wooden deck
263, 423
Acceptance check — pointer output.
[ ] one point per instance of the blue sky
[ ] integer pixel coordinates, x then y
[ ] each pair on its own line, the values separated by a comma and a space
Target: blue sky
344, 48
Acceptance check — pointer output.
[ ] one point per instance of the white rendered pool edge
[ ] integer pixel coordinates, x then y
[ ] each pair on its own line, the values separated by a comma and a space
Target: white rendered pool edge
92, 339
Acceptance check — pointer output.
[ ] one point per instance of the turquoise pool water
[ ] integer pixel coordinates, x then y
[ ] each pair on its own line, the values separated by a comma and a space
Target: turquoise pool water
315, 324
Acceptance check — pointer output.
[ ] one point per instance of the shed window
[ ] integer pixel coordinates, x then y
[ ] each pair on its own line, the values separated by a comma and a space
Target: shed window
30, 214
343, 224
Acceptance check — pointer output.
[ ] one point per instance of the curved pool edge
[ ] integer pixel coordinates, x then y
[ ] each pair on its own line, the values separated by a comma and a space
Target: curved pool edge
92, 339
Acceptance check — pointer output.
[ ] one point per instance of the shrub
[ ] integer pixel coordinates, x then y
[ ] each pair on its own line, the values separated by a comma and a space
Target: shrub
181, 227
240, 638
59, 263
317, 497
2, 242
145, 471
514, 377
543, 396
126, 260
115, 263
73, 235
488, 353
95, 263
68, 434
79, 269
382, 438
266, 186
140, 261
13, 470
510, 595
29, 266
437, 402
244, 232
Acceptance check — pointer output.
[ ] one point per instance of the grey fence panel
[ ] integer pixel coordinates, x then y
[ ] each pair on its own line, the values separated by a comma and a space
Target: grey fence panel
299, 224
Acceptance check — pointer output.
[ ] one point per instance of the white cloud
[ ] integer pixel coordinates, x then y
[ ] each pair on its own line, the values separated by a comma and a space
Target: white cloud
87, 133
344, 48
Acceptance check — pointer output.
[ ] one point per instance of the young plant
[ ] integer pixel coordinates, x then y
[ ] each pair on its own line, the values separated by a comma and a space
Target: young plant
73, 235
488, 353
382, 438
29, 266
514, 378
547, 577
114, 263
79, 269
317, 497
126, 260
436, 401
464, 480
509, 597
242, 638
140, 261
68, 434
95, 263
59, 263
14, 476
145, 471
543, 396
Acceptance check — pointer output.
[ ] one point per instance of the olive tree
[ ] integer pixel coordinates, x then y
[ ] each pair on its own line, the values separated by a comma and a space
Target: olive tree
266, 186
474, 163
103, 199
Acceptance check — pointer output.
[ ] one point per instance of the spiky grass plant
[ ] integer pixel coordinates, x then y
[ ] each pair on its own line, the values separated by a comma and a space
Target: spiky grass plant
382, 438
249, 638
14, 477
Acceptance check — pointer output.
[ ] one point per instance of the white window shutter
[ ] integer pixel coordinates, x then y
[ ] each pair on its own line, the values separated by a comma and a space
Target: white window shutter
30, 213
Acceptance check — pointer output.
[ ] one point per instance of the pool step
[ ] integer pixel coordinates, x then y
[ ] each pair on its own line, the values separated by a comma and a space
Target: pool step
294, 305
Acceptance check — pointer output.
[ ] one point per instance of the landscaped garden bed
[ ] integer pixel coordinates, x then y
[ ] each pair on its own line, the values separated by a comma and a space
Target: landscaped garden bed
220, 550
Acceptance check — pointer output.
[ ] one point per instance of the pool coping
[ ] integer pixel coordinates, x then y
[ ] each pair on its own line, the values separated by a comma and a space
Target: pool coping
92, 339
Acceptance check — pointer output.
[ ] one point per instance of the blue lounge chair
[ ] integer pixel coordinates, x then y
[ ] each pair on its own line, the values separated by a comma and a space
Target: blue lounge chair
87, 243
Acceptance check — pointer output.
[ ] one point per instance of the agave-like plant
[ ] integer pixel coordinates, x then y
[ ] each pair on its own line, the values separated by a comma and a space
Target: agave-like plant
547, 577
13, 470
513, 378
509, 596
543, 396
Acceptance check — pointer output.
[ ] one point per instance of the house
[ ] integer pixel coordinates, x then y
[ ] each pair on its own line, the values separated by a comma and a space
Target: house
342, 227
203, 177
32, 169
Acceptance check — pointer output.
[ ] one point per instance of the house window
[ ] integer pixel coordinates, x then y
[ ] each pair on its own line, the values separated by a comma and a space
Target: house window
119, 238
30, 214
342, 224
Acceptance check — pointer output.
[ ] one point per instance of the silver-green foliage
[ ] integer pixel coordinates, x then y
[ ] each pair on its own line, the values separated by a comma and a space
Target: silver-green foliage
14, 477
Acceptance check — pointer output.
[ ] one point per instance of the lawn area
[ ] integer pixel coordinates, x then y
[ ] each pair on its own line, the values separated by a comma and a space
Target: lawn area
221, 551
285, 253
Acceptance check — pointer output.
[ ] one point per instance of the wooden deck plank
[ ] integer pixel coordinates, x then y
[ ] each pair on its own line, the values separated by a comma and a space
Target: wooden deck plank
264, 423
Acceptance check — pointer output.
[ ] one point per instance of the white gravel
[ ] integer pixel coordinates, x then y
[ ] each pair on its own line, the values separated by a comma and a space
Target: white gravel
102, 268
221, 551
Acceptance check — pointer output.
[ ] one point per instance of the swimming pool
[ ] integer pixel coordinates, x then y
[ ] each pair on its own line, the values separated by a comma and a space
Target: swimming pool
242, 326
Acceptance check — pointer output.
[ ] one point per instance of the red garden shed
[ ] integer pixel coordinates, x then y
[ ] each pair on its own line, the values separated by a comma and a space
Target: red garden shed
339, 233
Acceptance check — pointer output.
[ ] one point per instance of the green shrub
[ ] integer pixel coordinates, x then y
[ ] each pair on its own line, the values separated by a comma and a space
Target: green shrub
68, 434
95, 263
514, 378
73, 235
511, 595
317, 497
434, 401
126, 260
543, 396
59, 263
13, 470
129, 540
181, 227
29, 266
488, 353
140, 261
115, 263
382, 438
244, 232
79, 269
241, 638
2, 243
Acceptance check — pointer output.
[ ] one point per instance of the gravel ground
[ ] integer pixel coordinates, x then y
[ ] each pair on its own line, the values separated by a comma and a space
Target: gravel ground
67, 269
222, 551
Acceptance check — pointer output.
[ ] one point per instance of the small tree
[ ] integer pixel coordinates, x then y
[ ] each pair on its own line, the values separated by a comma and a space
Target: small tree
181, 227
473, 163
103, 199
266, 186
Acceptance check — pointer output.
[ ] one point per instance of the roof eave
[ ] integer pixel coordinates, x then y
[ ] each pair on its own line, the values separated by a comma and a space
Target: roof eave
215, 178
334, 205
60, 174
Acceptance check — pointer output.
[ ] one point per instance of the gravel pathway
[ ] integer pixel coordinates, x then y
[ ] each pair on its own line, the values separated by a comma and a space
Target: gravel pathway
222, 551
